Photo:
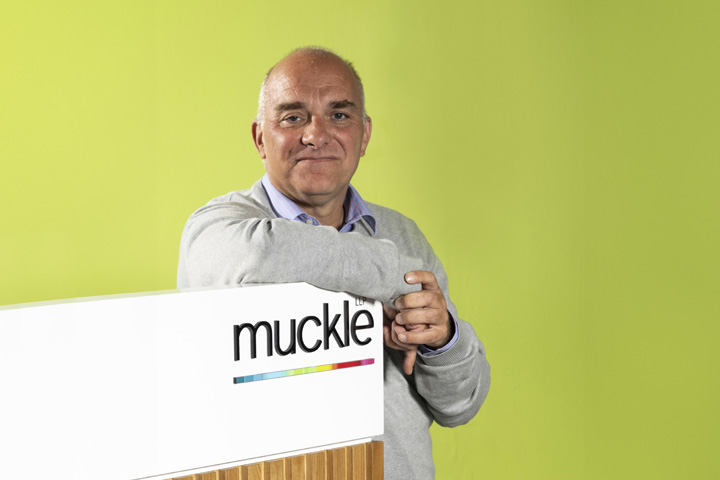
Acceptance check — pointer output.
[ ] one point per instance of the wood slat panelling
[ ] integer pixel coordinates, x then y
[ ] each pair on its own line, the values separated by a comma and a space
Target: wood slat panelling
229, 474
358, 469
256, 471
377, 459
296, 467
358, 462
316, 465
275, 470
337, 464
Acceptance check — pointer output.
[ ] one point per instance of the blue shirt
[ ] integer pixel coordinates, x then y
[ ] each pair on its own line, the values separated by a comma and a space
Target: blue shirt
355, 210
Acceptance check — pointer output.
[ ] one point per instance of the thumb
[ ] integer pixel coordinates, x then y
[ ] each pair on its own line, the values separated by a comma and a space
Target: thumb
426, 279
390, 313
409, 361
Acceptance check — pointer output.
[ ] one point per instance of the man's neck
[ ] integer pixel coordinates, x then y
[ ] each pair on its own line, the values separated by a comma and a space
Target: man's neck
328, 210
328, 215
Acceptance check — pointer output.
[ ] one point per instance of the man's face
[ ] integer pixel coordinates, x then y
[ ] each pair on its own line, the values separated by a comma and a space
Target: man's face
313, 134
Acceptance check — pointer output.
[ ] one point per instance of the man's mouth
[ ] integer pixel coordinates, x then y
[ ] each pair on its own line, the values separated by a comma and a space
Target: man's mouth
316, 159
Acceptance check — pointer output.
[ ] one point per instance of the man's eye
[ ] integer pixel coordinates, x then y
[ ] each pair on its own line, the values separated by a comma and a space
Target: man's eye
339, 116
291, 119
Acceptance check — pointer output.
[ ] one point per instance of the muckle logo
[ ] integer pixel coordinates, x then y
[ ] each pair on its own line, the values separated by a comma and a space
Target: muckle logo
333, 333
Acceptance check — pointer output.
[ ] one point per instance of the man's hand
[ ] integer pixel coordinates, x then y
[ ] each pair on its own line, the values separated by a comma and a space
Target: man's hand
390, 329
423, 314
421, 319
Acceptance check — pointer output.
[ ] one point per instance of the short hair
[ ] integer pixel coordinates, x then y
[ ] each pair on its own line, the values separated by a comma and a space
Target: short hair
318, 51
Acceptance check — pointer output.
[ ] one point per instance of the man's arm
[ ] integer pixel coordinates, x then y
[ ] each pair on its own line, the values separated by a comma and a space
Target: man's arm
454, 383
233, 243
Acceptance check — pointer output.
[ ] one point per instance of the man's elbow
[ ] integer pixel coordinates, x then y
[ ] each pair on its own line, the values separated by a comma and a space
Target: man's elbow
465, 411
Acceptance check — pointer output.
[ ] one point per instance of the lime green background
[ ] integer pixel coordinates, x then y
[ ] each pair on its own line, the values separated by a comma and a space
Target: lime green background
561, 157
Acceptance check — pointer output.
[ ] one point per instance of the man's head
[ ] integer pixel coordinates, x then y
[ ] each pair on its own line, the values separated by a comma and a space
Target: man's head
311, 128
318, 51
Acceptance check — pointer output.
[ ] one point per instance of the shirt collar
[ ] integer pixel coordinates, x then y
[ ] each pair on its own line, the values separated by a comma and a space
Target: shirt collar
355, 208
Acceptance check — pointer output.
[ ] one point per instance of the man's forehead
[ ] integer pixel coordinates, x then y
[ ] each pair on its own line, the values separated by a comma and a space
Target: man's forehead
325, 83
331, 91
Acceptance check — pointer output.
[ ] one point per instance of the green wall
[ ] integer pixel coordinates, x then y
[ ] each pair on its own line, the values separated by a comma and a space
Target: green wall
561, 157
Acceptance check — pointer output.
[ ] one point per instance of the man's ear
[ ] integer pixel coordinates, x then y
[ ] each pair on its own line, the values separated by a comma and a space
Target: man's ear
257, 133
367, 130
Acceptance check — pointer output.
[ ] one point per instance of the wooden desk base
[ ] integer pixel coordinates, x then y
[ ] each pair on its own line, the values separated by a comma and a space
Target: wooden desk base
358, 462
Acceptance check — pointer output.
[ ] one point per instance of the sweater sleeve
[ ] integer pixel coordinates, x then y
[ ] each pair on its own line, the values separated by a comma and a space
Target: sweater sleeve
236, 243
454, 383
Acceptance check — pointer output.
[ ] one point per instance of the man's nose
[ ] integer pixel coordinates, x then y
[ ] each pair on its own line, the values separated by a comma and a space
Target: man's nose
316, 133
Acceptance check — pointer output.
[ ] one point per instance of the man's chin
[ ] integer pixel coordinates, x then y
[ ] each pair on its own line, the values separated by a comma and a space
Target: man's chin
316, 195
319, 185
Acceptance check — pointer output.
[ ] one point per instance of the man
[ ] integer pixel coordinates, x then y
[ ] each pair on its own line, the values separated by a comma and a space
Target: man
304, 222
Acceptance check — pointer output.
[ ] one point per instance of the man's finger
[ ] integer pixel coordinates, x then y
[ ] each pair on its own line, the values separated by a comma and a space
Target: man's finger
409, 361
392, 341
429, 336
427, 279
421, 316
389, 313
410, 350
387, 335
395, 331
421, 299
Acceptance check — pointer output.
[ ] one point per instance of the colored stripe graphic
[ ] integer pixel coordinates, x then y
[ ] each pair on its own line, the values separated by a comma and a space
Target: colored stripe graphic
302, 371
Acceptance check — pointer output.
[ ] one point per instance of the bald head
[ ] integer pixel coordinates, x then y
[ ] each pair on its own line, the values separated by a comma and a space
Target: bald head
311, 131
309, 58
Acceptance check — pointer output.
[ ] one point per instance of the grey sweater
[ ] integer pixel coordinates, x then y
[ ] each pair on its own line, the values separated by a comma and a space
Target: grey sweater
238, 239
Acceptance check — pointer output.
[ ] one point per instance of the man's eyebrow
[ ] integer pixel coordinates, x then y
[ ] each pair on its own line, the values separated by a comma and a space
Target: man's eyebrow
342, 104
284, 107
